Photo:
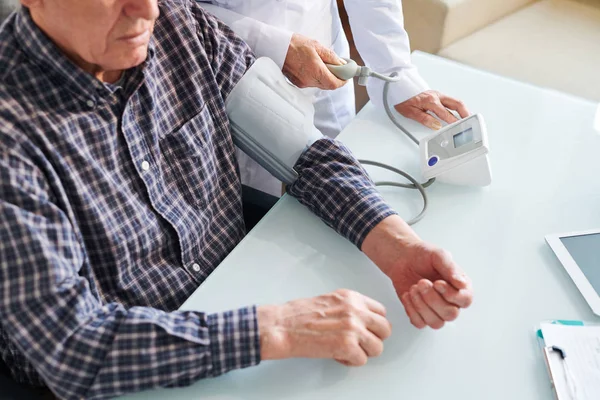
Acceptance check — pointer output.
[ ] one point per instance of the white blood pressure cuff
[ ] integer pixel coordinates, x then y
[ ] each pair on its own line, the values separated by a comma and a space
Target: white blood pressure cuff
271, 120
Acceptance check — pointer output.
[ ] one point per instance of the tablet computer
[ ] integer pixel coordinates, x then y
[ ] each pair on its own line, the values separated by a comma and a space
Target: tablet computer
579, 253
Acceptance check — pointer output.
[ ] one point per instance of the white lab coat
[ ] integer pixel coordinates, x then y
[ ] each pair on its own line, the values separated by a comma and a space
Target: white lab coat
378, 27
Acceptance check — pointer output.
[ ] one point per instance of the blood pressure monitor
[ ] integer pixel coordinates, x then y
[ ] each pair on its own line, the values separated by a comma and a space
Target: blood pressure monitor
458, 153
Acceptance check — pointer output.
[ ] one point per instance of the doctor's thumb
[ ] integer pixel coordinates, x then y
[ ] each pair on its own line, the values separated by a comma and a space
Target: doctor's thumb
328, 56
326, 80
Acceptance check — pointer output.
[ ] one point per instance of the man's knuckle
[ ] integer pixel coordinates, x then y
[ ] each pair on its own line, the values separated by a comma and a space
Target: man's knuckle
369, 319
346, 311
344, 293
347, 343
350, 323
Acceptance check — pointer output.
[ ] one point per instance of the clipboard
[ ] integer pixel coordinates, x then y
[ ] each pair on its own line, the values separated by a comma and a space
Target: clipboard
564, 372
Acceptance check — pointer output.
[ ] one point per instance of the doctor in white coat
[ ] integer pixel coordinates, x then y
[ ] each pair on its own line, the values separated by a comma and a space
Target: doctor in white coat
302, 35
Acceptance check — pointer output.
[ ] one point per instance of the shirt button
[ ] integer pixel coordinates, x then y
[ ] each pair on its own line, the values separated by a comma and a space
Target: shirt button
196, 267
145, 165
90, 103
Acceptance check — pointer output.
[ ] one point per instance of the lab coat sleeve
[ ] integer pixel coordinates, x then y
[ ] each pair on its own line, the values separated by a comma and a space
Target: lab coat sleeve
378, 30
264, 39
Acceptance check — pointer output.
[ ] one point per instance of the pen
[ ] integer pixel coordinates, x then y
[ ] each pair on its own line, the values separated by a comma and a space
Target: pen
569, 378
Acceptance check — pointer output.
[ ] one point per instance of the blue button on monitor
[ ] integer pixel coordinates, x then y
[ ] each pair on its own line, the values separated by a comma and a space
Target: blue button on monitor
432, 161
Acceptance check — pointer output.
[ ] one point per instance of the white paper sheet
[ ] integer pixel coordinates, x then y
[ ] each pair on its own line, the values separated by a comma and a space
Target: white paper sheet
577, 377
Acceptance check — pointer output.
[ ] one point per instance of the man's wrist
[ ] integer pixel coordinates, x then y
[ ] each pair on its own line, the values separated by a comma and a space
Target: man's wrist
385, 242
273, 340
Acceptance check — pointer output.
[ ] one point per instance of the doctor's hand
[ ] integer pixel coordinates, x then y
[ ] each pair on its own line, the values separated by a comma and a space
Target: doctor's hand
431, 286
416, 108
344, 325
305, 64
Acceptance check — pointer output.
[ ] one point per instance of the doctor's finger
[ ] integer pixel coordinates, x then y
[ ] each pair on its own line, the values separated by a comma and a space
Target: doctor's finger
442, 112
419, 115
324, 79
327, 55
455, 104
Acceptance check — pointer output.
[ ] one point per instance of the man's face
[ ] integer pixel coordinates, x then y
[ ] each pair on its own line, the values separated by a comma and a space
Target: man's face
106, 34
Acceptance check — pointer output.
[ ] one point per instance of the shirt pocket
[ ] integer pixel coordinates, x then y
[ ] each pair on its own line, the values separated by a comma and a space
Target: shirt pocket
189, 157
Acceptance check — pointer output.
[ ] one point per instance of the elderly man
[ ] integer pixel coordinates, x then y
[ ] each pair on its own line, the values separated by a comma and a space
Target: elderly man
119, 195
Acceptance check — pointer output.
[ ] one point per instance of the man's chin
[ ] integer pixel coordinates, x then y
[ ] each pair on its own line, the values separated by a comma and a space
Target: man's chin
128, 60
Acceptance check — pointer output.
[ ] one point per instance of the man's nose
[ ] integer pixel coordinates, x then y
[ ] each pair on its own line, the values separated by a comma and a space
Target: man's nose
146, 9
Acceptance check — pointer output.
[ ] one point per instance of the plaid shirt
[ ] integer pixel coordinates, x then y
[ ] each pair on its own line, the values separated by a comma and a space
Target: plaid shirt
117, 201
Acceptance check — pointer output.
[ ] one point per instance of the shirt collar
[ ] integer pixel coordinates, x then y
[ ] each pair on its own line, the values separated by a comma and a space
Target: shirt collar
45, 53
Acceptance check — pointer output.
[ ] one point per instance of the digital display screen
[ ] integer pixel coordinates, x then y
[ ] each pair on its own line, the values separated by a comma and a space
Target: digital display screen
462, 138
585, 250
